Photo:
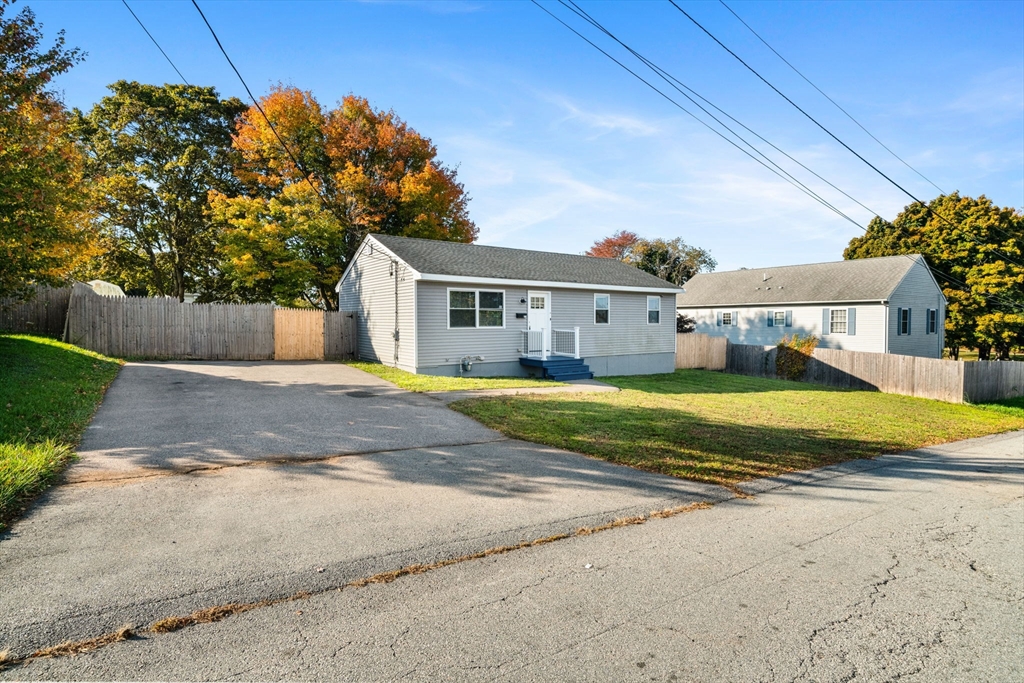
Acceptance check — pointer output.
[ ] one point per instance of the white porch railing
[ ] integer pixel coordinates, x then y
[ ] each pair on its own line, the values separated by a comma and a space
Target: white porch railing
533, 343
565, 342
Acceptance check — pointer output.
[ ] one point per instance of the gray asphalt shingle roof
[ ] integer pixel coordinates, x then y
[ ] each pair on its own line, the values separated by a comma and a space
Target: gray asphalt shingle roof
457, 259
872, 279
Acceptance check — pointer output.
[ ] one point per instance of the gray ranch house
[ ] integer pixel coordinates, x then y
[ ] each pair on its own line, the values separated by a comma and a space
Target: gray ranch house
448, 308
882, 305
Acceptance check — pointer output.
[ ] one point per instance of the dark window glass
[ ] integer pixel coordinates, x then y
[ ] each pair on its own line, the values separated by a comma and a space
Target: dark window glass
462, 317
490, 319
462, 299
492, 300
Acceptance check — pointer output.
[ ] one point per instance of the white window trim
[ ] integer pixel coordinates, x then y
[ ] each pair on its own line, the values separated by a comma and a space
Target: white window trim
658, 298
832, 322
775, 318
448, 308
731, 322
597, 294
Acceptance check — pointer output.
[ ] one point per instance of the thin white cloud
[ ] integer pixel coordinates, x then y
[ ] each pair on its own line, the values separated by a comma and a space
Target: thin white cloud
599, 121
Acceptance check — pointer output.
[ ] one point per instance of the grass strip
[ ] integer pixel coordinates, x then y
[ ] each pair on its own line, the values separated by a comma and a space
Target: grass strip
725, 429
422, 383
48, 393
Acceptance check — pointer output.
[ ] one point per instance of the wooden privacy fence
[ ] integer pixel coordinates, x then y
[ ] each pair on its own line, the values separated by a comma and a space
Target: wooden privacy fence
991, 380
142, 327
944, 380
43, 314
695, 350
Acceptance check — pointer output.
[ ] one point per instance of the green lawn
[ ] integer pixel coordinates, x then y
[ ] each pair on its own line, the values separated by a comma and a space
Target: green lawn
413, 382
724, 429
48, 393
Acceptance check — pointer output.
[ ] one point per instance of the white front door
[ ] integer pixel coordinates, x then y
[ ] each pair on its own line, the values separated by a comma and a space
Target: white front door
539, 317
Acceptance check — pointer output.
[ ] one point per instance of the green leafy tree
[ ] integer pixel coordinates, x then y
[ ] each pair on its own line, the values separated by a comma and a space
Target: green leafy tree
155, 154
969, 241
287, 242
45, 231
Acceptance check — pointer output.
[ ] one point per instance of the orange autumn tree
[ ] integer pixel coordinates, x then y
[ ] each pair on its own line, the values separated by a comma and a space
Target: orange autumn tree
617, 246
288, 239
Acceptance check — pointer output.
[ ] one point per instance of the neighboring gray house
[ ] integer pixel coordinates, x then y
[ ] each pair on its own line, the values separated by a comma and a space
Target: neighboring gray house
448, 308
883, 305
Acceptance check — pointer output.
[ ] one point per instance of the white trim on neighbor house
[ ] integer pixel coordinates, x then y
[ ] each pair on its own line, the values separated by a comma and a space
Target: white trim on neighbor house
476, 309
761, 304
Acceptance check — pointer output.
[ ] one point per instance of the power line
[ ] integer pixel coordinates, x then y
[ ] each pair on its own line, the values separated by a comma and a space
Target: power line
794, 182
848, 114
830, 133
256, 102
672, 81
691, 114
185, 80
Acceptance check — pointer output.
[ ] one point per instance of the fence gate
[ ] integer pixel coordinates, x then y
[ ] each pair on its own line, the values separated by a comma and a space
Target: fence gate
298, 334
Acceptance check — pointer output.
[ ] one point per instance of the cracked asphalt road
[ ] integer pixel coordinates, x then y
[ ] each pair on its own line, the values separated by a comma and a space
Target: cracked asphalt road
908, 567
192, 492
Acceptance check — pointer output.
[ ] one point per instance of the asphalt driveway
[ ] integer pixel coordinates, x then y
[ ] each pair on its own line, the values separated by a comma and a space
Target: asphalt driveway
187, 416
207, 483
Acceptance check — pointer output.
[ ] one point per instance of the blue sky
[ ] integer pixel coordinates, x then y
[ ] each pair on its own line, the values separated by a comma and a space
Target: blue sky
558, 146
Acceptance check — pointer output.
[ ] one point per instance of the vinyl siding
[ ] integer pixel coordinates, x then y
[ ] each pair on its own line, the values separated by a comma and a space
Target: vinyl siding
918, 292
627, 333
369, 290
753, 326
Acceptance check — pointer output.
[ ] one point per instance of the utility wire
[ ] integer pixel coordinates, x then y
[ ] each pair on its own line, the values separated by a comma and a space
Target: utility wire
185, 80
705, 124
848, 114
673, 81
688, 112
833, 135
256, 102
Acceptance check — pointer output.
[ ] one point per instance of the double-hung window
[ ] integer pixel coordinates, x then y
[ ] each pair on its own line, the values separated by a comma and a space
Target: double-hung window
476, 308
838, 321
933, 321
727, 318
602, 308
654, 310
903, 321
779, 318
